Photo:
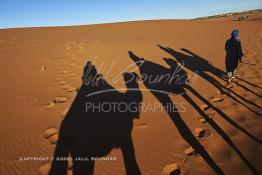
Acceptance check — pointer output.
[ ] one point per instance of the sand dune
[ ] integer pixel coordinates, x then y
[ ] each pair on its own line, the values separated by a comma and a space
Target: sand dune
41, 69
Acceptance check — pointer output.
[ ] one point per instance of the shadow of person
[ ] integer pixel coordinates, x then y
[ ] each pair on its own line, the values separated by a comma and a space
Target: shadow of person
161, 88
96, 123
202, 67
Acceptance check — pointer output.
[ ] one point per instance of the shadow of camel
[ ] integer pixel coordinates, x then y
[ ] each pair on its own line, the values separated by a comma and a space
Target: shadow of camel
173, 84
90, 130
198, 64
155, 71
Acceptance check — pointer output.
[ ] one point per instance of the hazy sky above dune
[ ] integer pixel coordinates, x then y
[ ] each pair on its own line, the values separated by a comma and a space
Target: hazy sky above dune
27, 13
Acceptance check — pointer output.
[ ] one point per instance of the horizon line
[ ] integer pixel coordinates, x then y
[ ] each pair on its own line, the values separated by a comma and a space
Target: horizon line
132, 20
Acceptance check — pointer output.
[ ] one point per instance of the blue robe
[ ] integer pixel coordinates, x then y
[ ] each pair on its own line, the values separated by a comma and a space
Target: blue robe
233, 54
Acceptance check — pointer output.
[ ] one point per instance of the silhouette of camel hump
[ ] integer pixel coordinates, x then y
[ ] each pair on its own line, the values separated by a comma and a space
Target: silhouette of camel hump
91, 130
159, 78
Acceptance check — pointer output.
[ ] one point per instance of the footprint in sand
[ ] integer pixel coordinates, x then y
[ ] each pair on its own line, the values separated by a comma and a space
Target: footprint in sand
211, 112
52, 135
229, 86
53, 139
61, 82
190, 151
65, 86
202, 120
72, 75
68, 87
217, 99
68, 74
65, 72
64, 112
55, 101
204, 107
171, 169
58, 79
60, 99
71, 89
50, 105
49, 132
202, 133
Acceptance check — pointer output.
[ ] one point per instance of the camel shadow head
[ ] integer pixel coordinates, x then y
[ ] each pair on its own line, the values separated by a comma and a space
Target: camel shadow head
139, 61
171, 62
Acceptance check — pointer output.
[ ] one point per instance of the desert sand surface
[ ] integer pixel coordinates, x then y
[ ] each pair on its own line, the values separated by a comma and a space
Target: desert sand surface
41, 69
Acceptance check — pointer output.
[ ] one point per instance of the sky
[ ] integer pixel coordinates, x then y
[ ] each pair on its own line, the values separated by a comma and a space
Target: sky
34, 13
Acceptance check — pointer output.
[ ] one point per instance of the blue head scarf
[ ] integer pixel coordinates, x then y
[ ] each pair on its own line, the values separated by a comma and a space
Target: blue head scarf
234, 33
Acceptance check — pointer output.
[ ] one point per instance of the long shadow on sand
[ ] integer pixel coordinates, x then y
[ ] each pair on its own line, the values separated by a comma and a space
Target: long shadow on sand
91, 131
173, 65
198, 64
178, 84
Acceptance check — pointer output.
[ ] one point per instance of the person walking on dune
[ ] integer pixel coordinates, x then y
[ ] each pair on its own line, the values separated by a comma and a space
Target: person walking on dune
234, 54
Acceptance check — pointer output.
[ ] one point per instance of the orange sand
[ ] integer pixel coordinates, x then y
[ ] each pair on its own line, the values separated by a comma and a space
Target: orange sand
41, 64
